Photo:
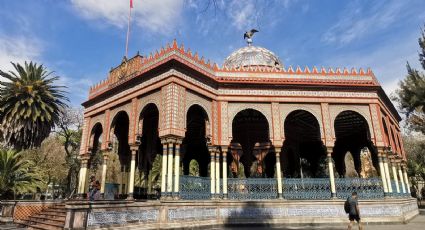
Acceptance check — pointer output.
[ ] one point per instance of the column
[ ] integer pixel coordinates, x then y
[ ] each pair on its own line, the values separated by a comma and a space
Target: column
82, 176
104, 168
217, 173
331, 171
406, 179
224, 152
279, 174
212, 171
177, 170
132, 172
397, 186
170, 169
400, 174
382, 170
164, 170
387, 174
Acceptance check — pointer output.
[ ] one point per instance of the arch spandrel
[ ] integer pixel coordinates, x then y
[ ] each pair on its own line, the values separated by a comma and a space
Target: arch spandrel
363, 110
235, 108
315, 110
153, 98
95, 129
193, 99
97, 119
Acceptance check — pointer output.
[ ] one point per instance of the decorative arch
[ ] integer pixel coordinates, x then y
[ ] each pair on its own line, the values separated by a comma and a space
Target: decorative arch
352, 133
99, 119
153, 98
251, 131
234, 109
387, 139
194, 145
95, 133
303, 149
314, 110
335, 110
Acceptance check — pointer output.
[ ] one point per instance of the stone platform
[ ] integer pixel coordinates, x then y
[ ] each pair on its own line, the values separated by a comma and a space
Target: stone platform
219, 213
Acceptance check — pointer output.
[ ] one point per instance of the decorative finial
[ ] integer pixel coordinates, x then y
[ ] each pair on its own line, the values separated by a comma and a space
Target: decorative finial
248, 36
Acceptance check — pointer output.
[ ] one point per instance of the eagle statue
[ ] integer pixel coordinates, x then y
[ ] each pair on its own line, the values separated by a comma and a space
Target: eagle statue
248, 35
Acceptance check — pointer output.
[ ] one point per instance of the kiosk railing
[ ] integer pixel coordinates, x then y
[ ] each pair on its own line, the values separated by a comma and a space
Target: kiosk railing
251, 188
306, 188
195, 188
366, 188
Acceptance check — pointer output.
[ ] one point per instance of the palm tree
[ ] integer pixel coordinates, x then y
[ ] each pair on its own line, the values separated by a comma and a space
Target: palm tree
17, 175
30, 105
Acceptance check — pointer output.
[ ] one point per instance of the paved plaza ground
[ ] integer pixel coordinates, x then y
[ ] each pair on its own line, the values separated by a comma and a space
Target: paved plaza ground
418, 223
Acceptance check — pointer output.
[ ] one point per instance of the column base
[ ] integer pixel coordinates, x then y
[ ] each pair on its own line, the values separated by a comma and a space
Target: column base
130, 196
80, 196
333, 196
280, 196
176, 196
225, 197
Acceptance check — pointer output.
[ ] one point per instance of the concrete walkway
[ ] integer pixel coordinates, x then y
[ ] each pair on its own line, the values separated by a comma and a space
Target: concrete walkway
418, 223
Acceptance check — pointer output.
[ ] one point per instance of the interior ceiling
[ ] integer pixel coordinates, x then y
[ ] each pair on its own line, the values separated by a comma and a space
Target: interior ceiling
302, 125
349, 123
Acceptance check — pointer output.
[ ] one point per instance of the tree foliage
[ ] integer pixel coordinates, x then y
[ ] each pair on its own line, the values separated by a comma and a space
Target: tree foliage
50, 161
17, 174
415, 147
30, 105
69, 130
411, 94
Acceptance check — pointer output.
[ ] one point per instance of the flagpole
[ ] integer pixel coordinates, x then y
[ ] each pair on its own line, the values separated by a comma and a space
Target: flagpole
128, 28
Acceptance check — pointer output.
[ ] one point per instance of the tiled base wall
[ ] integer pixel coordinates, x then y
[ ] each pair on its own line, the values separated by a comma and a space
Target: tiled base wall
196, 214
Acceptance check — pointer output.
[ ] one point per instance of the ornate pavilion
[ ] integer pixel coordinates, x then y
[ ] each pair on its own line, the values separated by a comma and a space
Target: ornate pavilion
252, 123
174, 126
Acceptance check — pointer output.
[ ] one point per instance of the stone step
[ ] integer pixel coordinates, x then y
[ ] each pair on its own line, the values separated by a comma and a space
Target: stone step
53, 212
11, 227
43, 227
59, 220
57, 208
55, 225
52, 216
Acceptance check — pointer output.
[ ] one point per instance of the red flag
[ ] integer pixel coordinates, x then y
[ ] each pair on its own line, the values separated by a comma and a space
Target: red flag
131, 3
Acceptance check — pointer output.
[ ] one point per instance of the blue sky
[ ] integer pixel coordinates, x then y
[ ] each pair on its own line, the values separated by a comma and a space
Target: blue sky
82, 39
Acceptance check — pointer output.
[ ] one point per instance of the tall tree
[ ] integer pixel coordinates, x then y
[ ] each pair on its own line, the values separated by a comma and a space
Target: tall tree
17, 175
50, 161
415, 147
30, 105
411, 94
69, 129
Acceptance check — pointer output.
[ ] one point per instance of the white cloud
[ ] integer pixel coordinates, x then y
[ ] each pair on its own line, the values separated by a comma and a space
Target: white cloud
356, 20
17, 50
388, 62
243, 14
158, 16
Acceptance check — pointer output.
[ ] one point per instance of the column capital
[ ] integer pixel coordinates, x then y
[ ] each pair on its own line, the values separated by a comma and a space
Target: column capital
134, 148
171, 139
329, 150
105, 155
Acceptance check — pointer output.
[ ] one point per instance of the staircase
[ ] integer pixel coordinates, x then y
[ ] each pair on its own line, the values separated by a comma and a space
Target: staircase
48, 219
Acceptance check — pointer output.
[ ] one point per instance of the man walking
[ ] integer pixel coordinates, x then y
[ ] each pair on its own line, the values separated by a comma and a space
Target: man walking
354, 212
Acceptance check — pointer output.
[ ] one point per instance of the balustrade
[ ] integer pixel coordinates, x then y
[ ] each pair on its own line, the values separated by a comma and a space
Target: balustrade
195, 188
306, 188
199, 188
366, 188
252, 188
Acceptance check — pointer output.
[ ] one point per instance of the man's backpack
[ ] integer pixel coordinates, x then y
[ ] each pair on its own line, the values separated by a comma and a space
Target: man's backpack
347, 206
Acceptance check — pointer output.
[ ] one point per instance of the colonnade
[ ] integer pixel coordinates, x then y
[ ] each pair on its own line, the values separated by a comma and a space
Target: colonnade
170, 175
